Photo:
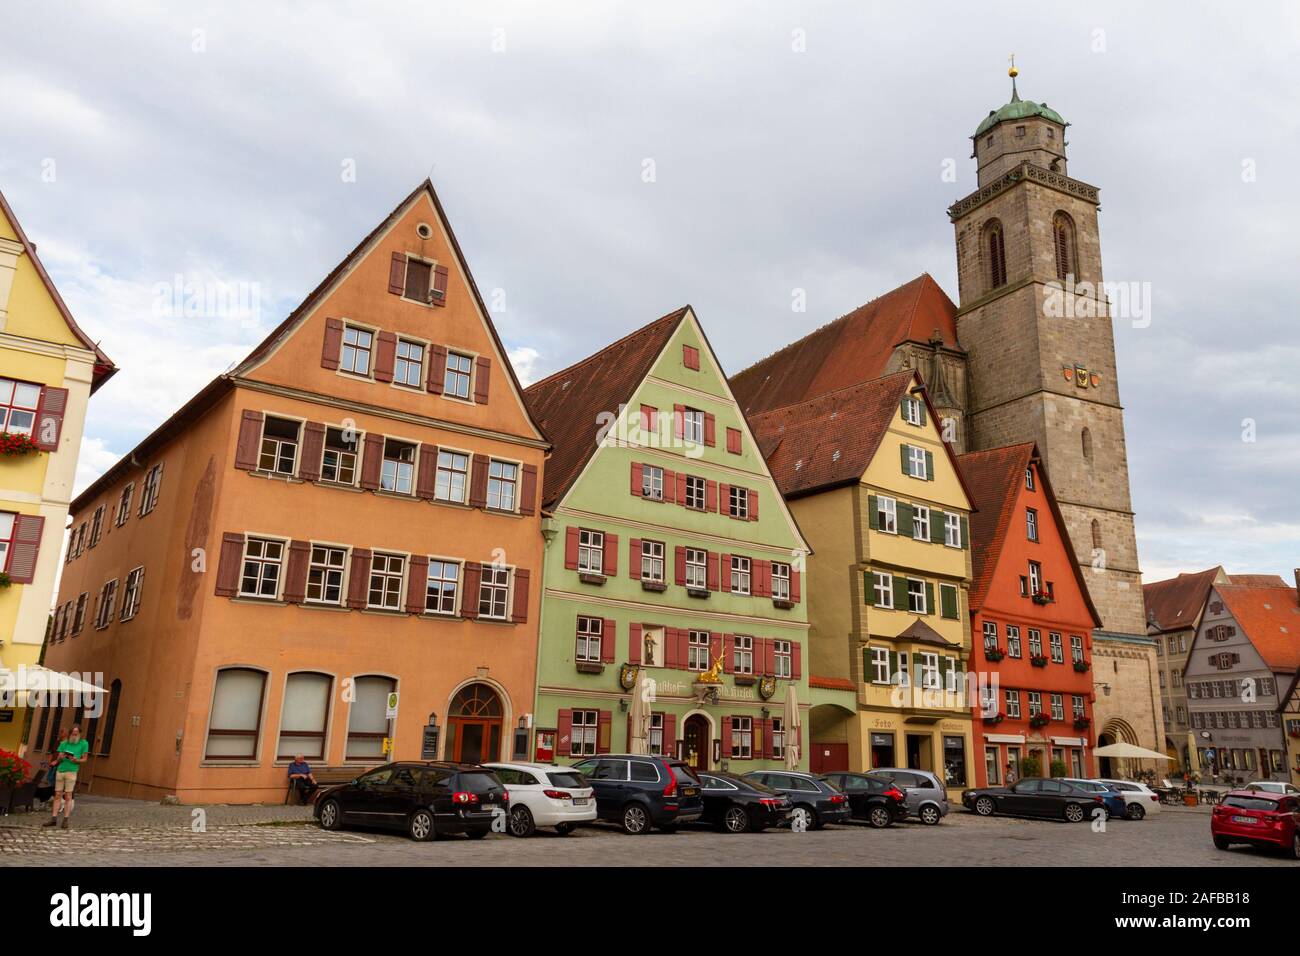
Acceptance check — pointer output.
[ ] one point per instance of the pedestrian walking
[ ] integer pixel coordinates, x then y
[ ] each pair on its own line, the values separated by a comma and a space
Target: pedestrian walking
72, 754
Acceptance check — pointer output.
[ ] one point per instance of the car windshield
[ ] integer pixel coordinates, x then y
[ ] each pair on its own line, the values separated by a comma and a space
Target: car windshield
1250, 803
566, 778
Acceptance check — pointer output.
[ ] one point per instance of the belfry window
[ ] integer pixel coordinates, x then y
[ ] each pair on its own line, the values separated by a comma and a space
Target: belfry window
1063, 242
997, 254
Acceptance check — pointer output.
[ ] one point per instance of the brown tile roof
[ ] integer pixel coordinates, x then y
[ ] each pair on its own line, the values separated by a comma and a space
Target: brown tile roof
830, 440
1177, 603
1271, 619
1258, 580
831, 683
853, 349
104, 368
921, 633
566, 405
994, 478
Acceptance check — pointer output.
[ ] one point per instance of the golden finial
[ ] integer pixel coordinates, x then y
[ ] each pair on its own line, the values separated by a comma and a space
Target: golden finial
1013, 72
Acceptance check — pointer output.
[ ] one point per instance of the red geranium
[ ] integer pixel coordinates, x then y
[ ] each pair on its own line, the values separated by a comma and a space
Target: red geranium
12, 444
13, 769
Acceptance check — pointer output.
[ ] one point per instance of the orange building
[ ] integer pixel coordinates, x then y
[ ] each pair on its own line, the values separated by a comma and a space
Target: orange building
1031, 622
333, 549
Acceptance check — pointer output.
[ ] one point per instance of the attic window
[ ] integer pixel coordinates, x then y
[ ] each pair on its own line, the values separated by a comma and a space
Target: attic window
424, 230
691, 357
417, 280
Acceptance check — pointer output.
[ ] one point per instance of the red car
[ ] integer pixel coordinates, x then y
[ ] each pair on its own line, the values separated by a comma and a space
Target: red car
1258, 818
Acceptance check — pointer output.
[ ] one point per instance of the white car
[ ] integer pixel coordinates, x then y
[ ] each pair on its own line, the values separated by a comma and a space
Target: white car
1139, 799
545, 795
1274, 786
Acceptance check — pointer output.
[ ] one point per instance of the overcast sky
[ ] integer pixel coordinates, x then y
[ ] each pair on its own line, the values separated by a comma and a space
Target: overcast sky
794, 146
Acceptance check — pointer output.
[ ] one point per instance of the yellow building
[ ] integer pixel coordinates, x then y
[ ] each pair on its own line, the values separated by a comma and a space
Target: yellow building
879, 497
48, 369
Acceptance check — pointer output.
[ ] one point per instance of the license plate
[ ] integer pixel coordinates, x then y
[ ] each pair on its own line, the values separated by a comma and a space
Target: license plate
1243, 819
579, 801
688, 791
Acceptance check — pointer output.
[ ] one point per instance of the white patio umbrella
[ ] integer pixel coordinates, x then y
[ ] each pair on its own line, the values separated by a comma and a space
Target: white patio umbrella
39, 686
639, 723
793, 730
1122, 749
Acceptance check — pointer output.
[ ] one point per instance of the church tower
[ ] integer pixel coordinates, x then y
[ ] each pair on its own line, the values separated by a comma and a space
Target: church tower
1036, 325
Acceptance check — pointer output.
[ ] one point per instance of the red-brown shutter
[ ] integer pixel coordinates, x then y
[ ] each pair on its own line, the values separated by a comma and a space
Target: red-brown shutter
313, 447
371, 462
295, 575
728, 653
634, 653
637, 471
670, 486
649, 418
437, 369
564, 733
733, 440
528, 491
426, 471
603, 723
710, 430
482, 378
359, 578
469, 599
610, 557
478, 482
26, 548
634, 558
679, 565
571, 549
417, 584
519, 609
769, 656
385, 355
49, 418
679, 421
796, 660
228, 565
250, 439
753, 505
724, 499
724, 573
670, 735
726, 737
711, 560
671, 657
710, 496
440, 285
680, 484
333, 344
794, 585
769, 747
691, 357
397, 273
683, 654
608, 635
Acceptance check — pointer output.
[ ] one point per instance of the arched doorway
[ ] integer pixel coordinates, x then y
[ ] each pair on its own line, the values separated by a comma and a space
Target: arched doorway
474, 723
697, 741
1104, 764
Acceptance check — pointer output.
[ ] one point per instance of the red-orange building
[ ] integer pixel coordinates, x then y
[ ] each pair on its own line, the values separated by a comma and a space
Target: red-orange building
1031, 618
330, 543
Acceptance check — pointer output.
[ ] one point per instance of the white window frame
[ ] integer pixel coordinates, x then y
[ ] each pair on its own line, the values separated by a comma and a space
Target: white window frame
1057, 647
780, 581
929, 674
149, 490
738, 502
742, 651
919, 595
583, 732
1031, 524
882, 583
742, 738
350, 350
278, 446
268, 568
652, 561
444, 480
741, 577
1013, 640
920, 523
503, 485
699, 650
916, 459
1012, 698
697, 496
952, 530
391, 575
912, 411
886, 514
452, 374
693, 426
441, 580
783, 658
320, 564
402, 364
398, 475
131, 593
107, 601
589, 637
591, 551
494, 585
880, 665
697, 572
652, 482
339, 464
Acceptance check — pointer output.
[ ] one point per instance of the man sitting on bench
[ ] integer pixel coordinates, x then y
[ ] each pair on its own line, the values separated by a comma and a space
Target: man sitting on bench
301, 778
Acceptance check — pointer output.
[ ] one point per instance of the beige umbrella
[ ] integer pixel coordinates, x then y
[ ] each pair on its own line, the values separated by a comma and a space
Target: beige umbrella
793, 730
1129, 750
37, 685
639, 722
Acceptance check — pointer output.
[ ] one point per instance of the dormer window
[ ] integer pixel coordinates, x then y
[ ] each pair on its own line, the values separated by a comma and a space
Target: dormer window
912, 413
417, 280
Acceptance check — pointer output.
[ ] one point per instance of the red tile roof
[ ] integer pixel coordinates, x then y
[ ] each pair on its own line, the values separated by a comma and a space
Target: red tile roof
853, 349
994, 478
566, 405
1258, 580
1270, 617
1178, 602
831, 683
829, 441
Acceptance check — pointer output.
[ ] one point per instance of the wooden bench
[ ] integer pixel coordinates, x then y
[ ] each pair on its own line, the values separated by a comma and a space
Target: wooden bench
327, 777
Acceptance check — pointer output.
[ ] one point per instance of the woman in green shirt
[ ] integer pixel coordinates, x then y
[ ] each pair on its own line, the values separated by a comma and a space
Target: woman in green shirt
72, 754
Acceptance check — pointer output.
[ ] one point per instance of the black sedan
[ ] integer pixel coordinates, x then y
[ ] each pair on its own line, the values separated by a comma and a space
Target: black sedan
735, 805
1036, 797
876, 800
815, 802
427, 800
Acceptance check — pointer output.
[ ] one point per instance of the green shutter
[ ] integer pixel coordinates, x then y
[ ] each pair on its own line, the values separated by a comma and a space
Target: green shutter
903, 454
929, 599
929, 466
948, 600
945, 665
900, 593
965, 534
905, 520
873, 518
902, 407
893, 665
937, 519
869, 587
868, 672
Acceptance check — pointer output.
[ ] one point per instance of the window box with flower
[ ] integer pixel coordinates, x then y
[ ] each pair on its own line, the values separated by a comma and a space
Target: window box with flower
1038, 660
14, 445
1039, 720
994, 654
1081, 666
1082, 723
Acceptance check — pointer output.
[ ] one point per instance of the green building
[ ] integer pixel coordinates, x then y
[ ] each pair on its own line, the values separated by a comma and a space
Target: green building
673, 568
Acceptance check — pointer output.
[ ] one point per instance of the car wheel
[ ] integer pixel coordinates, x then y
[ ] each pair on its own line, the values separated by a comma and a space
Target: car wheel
1074, 813
930, 816
1136, 812
635, 820
735, 820
331, 815
804, 817
1220, 843
1295, 846
564, 829
419, 826
985, 806
878, 817
521, 822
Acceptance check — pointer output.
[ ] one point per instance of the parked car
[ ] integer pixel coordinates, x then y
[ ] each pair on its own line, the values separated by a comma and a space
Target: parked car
1139, 799
927, 798
427, 800
735, 805
875, 799
1111, 797
1274, 786
638, 791
814, 801
545, 795
1258, 817
1035, 797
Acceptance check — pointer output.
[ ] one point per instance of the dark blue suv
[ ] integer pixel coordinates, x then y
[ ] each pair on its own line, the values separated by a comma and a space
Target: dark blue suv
639, 791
